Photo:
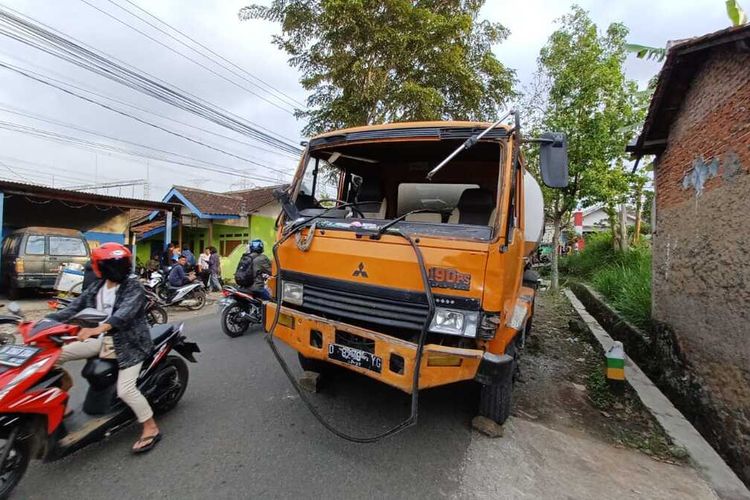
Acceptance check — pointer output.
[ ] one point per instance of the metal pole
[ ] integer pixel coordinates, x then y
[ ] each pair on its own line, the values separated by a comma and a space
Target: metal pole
168, 229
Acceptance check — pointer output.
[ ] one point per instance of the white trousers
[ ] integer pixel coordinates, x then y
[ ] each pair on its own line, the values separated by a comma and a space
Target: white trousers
127, 390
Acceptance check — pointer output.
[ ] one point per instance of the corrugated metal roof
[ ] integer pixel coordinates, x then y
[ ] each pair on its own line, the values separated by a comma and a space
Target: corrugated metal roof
37, 191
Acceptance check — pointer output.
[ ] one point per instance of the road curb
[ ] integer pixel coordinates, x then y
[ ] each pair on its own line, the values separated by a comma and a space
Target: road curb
709, 464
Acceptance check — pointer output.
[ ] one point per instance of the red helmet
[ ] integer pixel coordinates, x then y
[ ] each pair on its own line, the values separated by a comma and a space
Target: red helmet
111, 261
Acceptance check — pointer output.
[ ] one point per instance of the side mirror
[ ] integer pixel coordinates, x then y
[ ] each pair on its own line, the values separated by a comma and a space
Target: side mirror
553, 159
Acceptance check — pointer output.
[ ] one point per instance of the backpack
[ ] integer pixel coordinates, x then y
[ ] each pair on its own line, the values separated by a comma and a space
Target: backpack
244, 275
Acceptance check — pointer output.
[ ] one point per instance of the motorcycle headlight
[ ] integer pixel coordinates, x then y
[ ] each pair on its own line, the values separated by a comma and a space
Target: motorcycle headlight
292, 293
455, 322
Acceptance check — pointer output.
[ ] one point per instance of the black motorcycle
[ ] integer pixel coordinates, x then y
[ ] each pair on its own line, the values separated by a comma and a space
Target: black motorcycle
239, 310
156, 314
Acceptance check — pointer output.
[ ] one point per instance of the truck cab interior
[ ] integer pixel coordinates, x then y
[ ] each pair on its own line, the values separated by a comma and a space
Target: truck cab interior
386, 180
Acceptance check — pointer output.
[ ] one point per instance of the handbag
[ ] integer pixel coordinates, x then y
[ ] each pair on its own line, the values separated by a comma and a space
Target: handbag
107, 350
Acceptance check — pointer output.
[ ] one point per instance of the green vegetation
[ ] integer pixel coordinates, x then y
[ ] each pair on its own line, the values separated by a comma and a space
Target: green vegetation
623, 278
398, 60
581, 90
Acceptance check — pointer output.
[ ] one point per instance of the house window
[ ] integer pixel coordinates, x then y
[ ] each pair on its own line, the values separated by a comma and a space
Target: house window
228, 242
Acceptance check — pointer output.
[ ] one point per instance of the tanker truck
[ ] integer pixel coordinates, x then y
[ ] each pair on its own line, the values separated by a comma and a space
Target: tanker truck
401, 255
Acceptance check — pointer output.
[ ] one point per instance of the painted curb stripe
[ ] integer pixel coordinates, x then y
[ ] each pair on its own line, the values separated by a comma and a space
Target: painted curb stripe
615, 363
616, 373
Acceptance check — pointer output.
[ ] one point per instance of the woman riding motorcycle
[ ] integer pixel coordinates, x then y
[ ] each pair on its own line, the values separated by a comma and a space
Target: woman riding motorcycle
122, 298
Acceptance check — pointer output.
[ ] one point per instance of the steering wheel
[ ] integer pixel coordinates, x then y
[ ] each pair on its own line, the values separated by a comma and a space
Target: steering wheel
342, 202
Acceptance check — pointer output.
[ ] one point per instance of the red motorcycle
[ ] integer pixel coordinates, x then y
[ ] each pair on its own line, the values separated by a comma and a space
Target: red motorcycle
32, 403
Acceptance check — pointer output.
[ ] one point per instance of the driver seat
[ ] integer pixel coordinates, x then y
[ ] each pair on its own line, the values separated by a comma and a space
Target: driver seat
371, 201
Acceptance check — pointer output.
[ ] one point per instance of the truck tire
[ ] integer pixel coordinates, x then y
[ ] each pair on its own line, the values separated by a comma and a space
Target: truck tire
496, 400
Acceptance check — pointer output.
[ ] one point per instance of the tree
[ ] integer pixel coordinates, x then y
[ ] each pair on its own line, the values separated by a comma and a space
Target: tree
582, 91
368, 61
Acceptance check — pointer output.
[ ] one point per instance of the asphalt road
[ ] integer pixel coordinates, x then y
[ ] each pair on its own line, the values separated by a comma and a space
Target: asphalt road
242, 432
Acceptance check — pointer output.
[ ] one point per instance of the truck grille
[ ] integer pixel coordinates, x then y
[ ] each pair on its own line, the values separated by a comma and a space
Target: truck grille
367, 305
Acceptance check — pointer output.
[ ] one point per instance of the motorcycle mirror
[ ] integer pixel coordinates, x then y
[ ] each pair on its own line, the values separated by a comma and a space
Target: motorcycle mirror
14, 308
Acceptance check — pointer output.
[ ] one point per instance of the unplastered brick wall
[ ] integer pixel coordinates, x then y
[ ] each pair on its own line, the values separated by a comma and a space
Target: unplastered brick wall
701, 266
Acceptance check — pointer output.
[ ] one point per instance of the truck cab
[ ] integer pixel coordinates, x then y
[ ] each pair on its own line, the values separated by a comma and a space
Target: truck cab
397, 269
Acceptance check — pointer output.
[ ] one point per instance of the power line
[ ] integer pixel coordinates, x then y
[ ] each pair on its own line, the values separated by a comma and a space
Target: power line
78, 86
199, 164
175, 51
123, 113
271, 89
35, 35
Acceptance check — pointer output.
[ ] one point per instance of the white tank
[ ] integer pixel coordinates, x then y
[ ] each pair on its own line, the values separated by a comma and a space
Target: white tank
534, 212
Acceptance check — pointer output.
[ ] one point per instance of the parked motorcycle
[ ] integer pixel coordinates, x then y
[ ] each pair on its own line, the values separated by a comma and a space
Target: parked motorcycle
157, 283
239, 310
191, 296
7, 337
32, 402
156, 314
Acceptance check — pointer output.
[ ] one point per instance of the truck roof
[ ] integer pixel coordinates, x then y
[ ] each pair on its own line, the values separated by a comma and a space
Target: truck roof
416, 125
436, 130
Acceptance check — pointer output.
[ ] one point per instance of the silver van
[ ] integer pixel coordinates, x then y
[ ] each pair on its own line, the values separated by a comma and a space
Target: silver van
32, 256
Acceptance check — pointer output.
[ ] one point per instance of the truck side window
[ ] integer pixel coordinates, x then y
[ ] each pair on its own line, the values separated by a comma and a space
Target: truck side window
35, 245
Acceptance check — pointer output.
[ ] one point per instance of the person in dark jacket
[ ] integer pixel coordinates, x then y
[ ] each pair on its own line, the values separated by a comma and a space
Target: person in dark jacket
214, 268
122, 298
252, 270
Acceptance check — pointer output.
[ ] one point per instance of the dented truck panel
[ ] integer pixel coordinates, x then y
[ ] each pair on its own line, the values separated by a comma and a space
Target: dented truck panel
362, 294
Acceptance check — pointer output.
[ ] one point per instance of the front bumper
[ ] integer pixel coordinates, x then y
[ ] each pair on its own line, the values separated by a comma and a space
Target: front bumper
35, 280
298, 334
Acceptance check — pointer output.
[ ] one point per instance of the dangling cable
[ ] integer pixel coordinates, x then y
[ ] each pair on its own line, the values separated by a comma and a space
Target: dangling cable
409, 421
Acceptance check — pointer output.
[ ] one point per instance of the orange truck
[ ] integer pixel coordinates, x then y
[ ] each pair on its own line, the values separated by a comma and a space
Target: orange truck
402, 251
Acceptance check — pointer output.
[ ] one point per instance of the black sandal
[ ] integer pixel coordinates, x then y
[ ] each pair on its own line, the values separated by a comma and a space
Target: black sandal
152, 442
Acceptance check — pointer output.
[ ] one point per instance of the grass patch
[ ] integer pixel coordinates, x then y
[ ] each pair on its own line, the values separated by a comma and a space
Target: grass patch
623, 278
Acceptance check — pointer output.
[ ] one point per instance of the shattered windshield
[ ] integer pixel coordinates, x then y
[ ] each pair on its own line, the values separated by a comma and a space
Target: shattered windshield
384, 181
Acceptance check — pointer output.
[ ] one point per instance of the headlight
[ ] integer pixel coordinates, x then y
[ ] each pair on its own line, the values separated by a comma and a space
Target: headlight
292, 293
454, 322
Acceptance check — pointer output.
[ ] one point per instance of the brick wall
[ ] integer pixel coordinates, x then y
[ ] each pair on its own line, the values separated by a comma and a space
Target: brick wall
701, 273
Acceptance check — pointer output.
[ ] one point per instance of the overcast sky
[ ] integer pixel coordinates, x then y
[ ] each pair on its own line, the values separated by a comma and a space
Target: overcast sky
214, 23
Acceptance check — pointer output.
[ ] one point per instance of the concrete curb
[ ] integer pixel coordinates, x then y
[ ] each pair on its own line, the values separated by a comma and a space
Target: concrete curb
709, 464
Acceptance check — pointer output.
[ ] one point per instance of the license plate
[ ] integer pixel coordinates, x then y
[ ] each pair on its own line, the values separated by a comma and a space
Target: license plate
13, 355
355, 357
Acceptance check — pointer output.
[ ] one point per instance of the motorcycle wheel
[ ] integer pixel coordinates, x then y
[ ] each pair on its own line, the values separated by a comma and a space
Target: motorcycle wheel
176, 376
231, 325
200, 300
15, 465
157, 315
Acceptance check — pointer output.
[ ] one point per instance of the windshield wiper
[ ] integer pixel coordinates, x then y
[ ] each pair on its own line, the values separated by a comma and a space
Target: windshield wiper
385, 227
468, 143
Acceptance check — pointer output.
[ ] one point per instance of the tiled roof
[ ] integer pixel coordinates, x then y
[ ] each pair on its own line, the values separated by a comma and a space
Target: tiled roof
684, 60
257, 197
211, 203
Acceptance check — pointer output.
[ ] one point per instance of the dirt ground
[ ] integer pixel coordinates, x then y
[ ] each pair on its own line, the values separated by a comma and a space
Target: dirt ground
570, 436
563, 386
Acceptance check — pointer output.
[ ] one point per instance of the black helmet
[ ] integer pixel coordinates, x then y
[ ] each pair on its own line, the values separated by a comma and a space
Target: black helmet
256, 246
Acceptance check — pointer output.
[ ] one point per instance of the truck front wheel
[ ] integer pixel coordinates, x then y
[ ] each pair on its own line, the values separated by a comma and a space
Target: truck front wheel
496, 399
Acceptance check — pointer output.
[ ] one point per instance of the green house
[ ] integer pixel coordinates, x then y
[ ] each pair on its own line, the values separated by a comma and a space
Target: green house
227, 221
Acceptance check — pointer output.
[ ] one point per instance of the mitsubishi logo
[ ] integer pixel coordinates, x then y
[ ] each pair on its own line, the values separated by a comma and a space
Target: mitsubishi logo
360, 271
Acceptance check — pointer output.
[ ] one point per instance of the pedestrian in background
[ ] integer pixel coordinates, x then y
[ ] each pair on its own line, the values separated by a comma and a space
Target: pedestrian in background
214, 267
203, 271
